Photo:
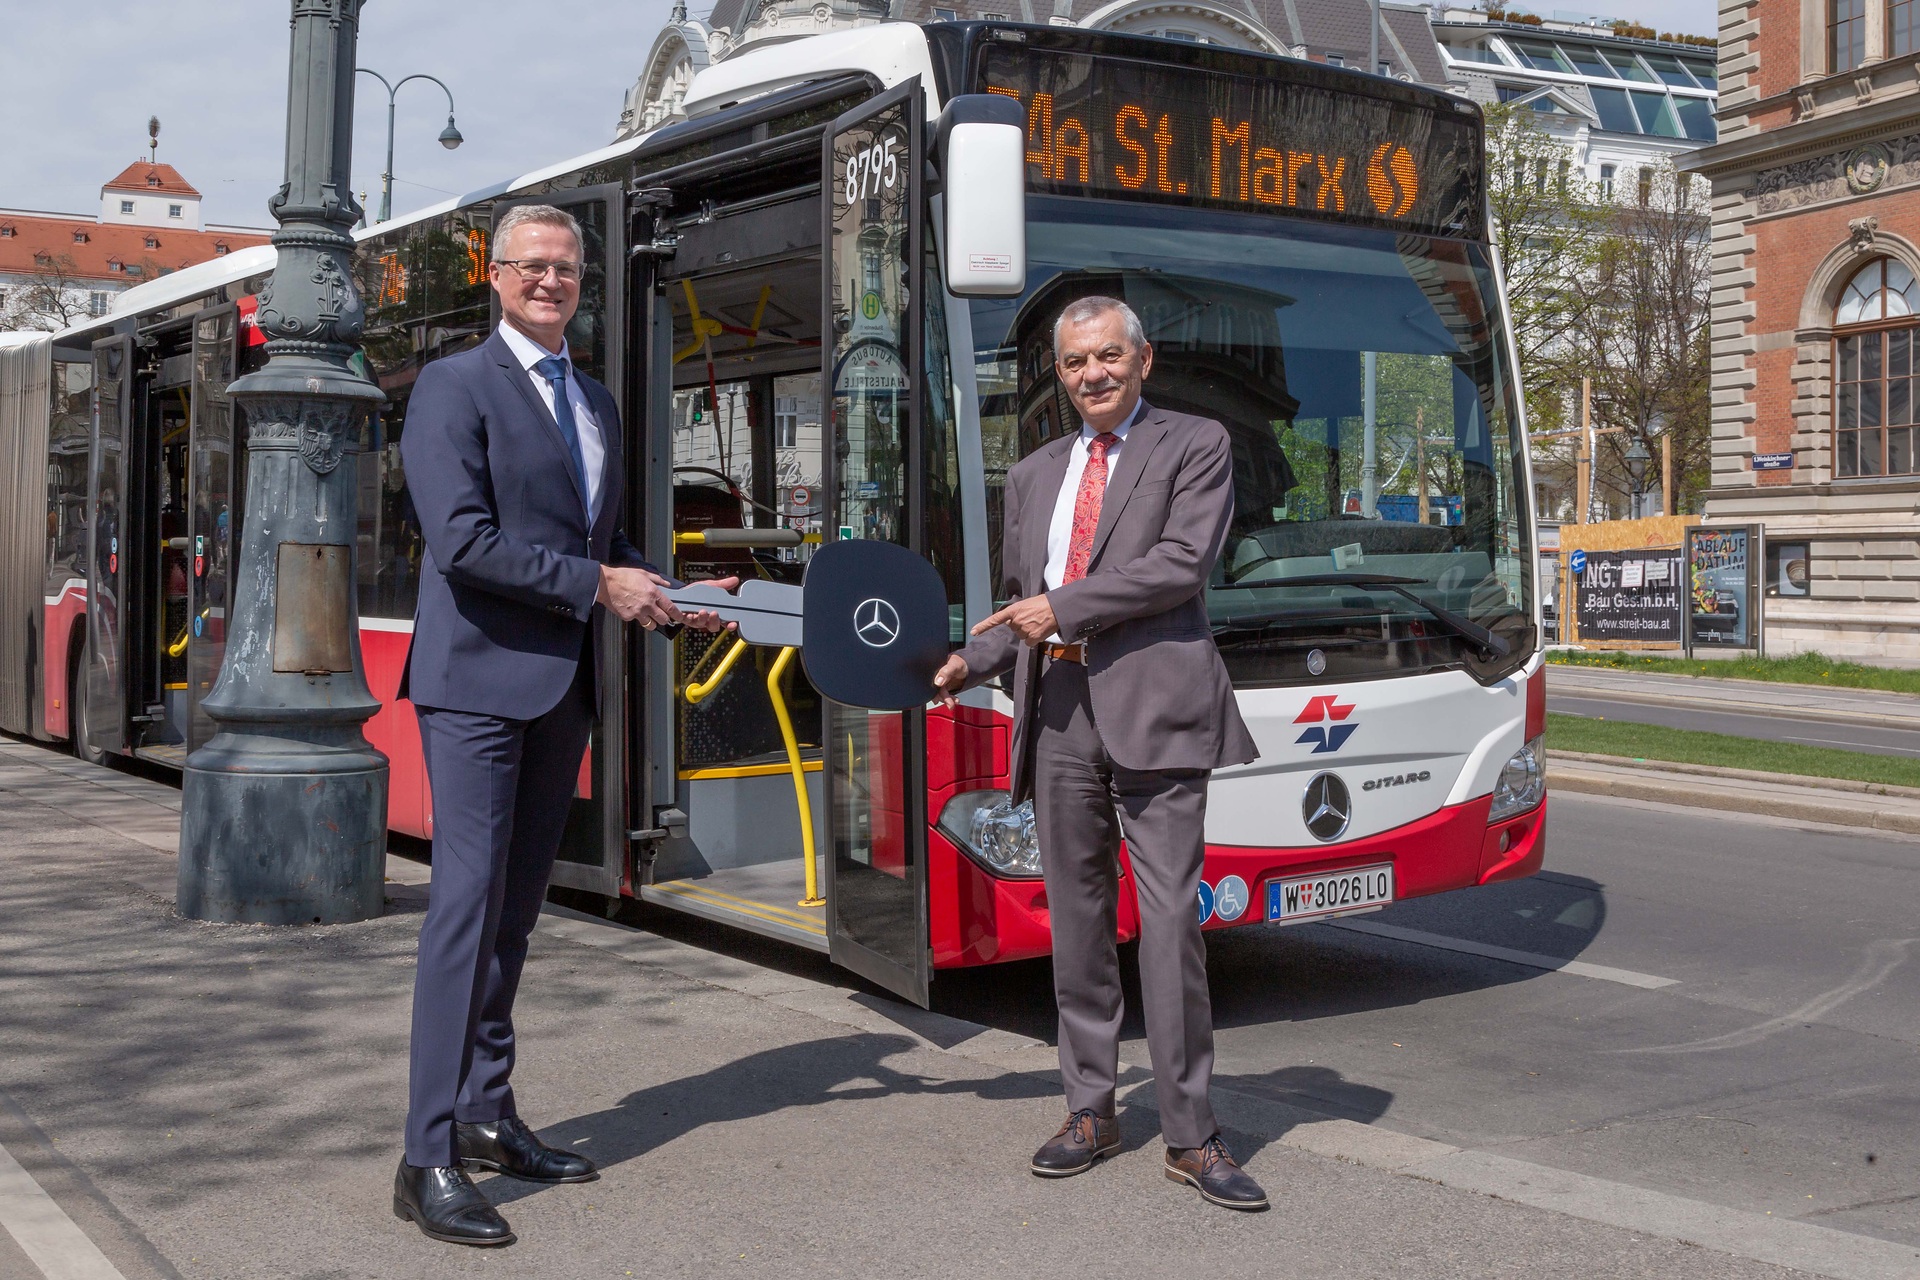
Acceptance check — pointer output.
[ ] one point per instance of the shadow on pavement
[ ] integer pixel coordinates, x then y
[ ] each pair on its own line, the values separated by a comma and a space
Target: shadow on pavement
838, 1069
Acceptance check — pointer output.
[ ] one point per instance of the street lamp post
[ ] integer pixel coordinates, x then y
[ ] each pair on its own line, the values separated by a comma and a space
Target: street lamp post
449, 136
1637, 458
283, 811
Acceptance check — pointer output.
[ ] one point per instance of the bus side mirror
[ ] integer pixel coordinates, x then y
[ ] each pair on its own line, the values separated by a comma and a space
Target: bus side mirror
982, 147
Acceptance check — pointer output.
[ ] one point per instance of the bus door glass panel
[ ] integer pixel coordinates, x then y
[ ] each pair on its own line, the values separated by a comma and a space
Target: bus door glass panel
593, 849
875, 761
105, 679
211, 524
166, 410
69, 440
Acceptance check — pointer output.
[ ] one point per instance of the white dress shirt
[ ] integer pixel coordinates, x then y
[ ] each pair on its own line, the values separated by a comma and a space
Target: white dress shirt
1060, 531
593, 446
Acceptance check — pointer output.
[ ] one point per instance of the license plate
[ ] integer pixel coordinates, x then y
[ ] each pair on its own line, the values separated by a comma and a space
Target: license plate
1330, 893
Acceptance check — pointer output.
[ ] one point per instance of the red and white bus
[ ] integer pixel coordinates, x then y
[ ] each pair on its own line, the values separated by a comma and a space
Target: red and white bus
1308, 249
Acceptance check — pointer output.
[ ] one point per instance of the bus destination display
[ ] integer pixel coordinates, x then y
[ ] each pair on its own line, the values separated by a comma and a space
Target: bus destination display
1117, 128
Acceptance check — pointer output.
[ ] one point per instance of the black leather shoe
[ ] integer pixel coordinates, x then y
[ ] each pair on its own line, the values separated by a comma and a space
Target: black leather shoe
1209, 1169
1084, 1138
446, 1205
508, 1146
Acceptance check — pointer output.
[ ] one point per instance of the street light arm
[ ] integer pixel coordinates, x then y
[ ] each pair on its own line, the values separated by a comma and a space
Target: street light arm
368, 71
421, 75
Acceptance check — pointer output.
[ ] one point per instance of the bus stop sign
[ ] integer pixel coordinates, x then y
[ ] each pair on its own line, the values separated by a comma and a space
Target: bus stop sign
874, 625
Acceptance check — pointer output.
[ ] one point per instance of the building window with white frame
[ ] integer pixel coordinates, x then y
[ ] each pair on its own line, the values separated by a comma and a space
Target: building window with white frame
126, 206
98, 301
1876, 357
1846, 34
175, 211
1606, 181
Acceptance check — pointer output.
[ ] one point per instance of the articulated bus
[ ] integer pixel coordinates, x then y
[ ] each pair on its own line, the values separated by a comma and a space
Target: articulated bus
768, 294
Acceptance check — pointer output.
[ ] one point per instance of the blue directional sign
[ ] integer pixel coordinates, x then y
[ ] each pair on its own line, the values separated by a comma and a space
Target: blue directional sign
1578, 560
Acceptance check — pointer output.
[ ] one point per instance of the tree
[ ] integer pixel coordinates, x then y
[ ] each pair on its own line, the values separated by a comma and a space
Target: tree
52, 298
1641, 334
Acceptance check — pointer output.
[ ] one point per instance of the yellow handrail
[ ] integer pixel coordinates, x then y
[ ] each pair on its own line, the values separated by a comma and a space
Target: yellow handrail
777, 695
699, 689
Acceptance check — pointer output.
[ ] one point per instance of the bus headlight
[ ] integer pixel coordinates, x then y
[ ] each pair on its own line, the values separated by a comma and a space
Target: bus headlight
1522, 783
997, 835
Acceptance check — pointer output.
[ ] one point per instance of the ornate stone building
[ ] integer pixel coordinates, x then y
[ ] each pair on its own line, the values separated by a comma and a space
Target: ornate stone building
1816, 318
1322, 30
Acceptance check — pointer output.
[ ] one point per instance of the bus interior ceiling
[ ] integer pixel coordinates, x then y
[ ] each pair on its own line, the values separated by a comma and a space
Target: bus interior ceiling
746, 450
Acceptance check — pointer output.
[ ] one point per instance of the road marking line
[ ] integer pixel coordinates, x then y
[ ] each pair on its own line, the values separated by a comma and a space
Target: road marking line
1532, 959
1883, 956
43, 1230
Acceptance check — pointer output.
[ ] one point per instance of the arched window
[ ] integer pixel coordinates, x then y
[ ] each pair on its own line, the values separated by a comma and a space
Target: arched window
1876, 357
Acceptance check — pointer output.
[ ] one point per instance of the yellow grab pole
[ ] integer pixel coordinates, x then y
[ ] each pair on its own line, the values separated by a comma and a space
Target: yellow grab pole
700, 689
777, 695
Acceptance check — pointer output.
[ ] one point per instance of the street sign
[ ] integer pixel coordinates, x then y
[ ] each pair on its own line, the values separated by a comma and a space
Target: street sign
1577, 562
1773, 461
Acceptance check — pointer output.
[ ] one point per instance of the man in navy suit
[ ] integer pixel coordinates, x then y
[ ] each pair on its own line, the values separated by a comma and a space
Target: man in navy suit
514, 464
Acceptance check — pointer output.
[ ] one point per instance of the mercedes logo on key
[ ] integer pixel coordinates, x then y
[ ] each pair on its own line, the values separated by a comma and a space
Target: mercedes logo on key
1327, 807
876, 623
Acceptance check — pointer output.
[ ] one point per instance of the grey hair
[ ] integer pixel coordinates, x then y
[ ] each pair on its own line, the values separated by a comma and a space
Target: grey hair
544, 215
1082, 310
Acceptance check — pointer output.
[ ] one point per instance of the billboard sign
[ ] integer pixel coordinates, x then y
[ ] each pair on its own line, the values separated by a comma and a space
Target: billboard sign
1630, 595
1720, 564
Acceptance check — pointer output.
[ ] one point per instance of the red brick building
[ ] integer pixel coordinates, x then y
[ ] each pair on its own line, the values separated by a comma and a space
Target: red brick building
61, 266
1816, 315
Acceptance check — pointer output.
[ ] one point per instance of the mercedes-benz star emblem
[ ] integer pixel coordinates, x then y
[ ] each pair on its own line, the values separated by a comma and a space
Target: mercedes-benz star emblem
1326, 807
876, 623
1316, 662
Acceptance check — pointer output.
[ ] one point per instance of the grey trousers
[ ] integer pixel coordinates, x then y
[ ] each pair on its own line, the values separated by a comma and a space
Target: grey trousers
1081, 798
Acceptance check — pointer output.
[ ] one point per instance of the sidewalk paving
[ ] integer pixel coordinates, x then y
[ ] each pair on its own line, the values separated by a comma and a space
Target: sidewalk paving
1798, 701
226, 1101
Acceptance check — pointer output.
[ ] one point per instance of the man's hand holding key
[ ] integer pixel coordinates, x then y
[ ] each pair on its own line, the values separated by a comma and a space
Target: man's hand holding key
640, 595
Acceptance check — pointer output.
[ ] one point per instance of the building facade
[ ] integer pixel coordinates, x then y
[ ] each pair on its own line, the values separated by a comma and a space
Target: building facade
1816, 318
56, 268
1329, 31
1618, 104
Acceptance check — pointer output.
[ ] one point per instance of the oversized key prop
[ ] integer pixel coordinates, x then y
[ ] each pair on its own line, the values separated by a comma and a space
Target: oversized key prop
870, 619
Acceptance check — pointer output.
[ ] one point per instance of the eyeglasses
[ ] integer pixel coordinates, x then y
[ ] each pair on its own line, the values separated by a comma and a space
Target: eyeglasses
534, 269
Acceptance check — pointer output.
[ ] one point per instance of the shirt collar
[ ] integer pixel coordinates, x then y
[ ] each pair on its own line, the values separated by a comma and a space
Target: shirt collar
1087, 433
528, 352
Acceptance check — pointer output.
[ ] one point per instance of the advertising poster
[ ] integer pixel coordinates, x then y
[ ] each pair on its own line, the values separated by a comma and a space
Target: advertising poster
1630, 595
1717, 579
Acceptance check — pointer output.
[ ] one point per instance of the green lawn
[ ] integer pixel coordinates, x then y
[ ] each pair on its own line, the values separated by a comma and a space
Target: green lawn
1687, 746
1806, 668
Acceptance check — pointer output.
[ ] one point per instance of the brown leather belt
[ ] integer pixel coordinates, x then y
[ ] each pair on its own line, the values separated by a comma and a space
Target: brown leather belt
1067, 652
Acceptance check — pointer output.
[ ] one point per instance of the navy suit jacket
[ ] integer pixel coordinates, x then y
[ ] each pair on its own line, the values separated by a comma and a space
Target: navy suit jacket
506, 607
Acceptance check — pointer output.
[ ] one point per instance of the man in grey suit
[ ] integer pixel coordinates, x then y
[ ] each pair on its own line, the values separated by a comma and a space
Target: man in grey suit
1122, 708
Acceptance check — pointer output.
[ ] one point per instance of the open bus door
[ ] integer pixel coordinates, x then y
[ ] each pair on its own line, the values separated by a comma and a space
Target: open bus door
103, 693
593, 849
213, 515
875, 761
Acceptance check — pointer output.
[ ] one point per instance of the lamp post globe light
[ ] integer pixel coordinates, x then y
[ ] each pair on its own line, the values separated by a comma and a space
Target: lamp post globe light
283, 810
449, 136
1637, 458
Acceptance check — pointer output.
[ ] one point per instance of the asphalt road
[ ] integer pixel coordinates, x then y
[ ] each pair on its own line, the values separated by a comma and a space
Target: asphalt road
1778, 1074
1873, 739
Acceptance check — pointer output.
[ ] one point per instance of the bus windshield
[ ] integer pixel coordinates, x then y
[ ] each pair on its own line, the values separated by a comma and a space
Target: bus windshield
1379, 473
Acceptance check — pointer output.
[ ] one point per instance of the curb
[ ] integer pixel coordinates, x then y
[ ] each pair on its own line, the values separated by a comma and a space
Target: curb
1739, 775
1777, 800
1706, 702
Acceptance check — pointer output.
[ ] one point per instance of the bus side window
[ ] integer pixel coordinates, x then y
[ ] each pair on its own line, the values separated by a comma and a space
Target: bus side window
427, 294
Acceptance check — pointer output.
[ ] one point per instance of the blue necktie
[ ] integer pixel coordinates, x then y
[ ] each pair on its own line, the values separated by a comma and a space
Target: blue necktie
554, 370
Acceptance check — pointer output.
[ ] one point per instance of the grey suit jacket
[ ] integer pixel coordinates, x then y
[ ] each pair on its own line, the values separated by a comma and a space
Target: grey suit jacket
1160, 692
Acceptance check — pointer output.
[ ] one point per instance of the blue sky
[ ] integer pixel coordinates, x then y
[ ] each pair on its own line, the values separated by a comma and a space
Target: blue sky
531, 84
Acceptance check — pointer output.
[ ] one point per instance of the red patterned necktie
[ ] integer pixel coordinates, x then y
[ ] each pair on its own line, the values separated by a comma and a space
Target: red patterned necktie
1086, 506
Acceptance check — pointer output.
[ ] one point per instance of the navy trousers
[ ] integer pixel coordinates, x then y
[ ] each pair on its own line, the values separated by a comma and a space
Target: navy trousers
501, 789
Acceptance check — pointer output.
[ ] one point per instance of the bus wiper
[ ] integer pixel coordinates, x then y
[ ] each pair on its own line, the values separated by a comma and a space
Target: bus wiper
1490, 645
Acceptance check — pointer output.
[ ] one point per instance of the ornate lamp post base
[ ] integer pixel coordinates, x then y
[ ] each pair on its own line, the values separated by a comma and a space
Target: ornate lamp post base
284, 815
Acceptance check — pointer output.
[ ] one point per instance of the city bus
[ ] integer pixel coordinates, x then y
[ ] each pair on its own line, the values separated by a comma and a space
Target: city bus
768, 291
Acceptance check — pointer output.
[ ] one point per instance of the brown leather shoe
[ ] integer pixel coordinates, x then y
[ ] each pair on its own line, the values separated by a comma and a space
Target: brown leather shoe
1209, 1169
1083, 1139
